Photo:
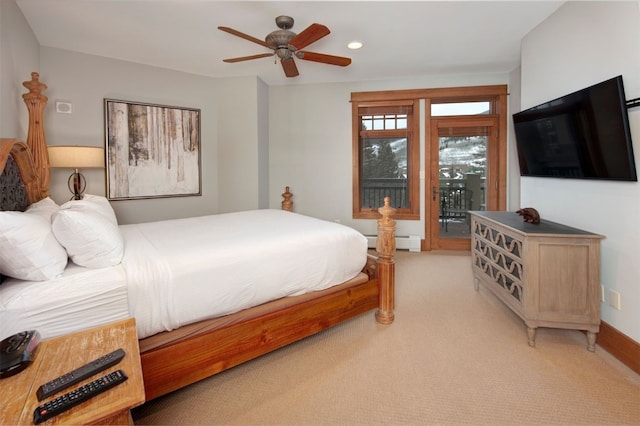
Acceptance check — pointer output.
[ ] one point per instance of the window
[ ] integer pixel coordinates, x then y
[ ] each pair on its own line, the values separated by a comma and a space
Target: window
385, 148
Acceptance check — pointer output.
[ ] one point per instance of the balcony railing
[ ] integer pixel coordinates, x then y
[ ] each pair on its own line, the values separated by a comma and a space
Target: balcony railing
374, 191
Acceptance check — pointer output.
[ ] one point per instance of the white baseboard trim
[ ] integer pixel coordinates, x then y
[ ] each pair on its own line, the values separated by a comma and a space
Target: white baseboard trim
410, 242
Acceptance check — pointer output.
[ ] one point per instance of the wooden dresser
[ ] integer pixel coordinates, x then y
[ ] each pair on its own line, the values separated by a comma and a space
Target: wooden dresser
547, 273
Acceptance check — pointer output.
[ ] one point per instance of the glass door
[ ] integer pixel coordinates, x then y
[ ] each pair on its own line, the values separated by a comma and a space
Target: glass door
460, 167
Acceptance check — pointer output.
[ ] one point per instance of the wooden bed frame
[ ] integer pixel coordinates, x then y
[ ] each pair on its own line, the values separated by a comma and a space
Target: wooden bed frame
171, 367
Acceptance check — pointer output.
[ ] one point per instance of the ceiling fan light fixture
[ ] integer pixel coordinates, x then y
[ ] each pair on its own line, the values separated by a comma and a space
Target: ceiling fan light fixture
283, 53
354, 45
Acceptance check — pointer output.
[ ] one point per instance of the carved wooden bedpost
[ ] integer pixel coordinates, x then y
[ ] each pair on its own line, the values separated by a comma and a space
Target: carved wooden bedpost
287, 204
386, 247
36, 102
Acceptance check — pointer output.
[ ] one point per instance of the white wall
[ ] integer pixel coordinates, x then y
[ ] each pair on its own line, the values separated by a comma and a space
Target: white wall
232, 160
19, 56
584, 43
513, 169
242, 159
234, 136
85, 81
263, 145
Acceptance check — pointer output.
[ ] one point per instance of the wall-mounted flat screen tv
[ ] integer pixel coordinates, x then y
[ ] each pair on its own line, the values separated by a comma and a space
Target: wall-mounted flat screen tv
583, 135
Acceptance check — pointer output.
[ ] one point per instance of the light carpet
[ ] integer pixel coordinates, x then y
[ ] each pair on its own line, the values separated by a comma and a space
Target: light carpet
453, 356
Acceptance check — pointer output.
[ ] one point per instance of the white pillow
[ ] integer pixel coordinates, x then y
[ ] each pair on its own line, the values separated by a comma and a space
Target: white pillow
45, 208
28, 248
88, 230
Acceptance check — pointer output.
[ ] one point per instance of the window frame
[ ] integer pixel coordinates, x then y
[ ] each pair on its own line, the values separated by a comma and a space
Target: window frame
412, 133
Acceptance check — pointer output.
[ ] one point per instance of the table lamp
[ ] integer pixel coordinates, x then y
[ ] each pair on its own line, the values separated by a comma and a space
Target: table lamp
76, 158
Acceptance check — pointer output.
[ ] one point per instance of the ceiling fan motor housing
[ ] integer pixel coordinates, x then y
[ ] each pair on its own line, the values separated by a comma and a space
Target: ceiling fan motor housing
279, 39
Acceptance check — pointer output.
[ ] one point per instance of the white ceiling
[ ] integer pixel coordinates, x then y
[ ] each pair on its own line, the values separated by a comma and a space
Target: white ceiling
401, 39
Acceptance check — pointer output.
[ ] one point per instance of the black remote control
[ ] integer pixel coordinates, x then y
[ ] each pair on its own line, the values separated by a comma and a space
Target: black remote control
71, 399
73, 377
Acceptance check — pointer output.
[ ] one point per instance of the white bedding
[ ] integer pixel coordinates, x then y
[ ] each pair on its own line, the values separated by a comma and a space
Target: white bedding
209, 266
185, 270
81, 298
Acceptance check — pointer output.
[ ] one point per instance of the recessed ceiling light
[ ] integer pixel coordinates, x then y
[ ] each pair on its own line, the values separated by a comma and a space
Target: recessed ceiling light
354, 45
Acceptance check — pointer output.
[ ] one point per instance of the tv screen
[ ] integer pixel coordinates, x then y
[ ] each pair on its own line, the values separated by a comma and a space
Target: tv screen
583, 135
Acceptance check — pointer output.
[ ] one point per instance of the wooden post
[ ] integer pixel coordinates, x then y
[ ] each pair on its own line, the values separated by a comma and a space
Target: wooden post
36, 102
287, 204
386, 247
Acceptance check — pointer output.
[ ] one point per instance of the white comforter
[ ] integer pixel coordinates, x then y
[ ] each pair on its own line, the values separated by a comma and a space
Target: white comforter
177, 272
182, 271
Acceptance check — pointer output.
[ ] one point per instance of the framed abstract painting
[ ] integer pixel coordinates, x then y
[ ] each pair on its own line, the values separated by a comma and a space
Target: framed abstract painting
152, 150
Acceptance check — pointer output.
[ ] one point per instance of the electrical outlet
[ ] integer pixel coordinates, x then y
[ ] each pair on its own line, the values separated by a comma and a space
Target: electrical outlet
614, 299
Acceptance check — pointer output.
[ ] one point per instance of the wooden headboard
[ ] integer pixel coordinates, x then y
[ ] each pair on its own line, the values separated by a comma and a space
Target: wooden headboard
20, 183
24, 167
36, 142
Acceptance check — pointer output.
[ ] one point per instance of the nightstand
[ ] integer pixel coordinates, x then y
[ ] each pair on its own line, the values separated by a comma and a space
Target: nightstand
60, 355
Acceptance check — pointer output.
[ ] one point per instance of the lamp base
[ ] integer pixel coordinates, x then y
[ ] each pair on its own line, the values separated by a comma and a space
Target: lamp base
77, 184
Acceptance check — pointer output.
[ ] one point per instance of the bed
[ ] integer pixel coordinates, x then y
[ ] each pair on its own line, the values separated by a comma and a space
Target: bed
186, 348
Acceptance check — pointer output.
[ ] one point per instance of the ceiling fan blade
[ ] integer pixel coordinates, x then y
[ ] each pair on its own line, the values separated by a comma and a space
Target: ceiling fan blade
289, 67
312, 33
248, 58
325, 59
244, 36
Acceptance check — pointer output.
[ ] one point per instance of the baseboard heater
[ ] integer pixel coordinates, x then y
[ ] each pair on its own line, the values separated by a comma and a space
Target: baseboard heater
410, 242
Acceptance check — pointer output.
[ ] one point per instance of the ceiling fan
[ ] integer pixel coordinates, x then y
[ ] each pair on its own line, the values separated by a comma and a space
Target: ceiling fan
287, 45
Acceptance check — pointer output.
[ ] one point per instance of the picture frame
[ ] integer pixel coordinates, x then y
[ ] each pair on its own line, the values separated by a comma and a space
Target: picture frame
152, 151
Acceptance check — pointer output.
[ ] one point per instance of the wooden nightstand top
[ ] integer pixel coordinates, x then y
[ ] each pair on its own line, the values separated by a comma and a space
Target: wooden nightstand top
60, 355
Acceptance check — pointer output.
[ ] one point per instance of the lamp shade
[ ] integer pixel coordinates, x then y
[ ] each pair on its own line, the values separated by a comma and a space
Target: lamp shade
76, 157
